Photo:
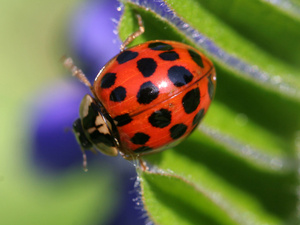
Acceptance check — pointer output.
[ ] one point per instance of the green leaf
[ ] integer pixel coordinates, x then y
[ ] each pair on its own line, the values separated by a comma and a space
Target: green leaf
240, 183
245, 150
161, 197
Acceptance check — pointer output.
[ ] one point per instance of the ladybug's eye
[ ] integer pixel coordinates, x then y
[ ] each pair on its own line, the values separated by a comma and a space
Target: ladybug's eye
94, 128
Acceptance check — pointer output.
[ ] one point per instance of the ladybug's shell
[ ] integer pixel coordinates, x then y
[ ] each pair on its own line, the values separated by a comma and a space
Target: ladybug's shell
157, 93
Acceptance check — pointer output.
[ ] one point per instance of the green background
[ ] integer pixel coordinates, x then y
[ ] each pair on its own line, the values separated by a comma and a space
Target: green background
32, 36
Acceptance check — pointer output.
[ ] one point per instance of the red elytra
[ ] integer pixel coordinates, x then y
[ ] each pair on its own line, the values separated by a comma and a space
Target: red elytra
157, 92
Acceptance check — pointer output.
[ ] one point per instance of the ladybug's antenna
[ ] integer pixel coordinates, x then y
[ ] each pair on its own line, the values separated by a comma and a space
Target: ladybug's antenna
76, 72
135, 34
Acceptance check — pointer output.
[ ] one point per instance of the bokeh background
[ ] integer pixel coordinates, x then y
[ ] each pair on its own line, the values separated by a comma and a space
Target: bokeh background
41, 176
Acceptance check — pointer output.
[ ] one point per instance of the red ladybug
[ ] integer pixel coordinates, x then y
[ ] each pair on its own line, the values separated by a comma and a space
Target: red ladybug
146, 99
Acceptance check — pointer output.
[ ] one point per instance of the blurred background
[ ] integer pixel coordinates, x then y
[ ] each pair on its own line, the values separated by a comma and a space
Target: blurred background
41, 176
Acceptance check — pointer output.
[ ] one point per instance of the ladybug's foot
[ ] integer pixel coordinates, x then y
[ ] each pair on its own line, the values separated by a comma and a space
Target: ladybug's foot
76, 72
143, 165
135, 34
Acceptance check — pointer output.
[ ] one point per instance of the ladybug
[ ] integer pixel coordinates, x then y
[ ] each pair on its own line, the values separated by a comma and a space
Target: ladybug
147, 98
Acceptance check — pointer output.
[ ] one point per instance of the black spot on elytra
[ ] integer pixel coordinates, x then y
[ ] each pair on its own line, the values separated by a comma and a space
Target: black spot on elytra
178, 130
142, 149
147, 93
196, 58
108, 80
160, 46
123, 119
198, 117
118, 94
160, 118
140, 138
146, 66
211, 88
179, 75
169, 56
126, 56
191, 100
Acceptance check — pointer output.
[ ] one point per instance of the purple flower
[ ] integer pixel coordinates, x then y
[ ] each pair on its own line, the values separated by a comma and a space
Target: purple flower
54, 146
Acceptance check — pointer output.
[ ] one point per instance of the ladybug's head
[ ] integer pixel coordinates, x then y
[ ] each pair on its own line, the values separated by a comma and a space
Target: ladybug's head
95, 128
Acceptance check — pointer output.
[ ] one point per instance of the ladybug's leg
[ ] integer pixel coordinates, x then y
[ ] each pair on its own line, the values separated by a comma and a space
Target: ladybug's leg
84, 161
135, 34
76, 72
143, 164
84, 158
